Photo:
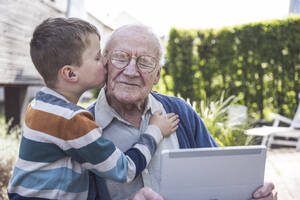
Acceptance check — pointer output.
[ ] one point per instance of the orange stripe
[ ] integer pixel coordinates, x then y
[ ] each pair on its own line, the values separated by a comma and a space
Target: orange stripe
66, 129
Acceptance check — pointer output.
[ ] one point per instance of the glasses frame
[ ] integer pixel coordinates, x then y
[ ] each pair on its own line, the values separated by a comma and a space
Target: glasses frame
136, 61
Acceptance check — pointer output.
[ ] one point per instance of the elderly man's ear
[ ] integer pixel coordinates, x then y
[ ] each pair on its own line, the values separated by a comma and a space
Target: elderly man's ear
157, 76
105, 59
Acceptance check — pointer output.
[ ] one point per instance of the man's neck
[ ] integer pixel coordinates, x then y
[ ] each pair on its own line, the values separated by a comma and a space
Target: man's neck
129, 112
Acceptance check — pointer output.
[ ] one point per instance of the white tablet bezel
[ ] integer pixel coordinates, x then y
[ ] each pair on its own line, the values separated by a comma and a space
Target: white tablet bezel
226, 173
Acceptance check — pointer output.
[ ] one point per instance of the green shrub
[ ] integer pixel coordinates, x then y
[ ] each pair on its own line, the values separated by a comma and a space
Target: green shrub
259, 62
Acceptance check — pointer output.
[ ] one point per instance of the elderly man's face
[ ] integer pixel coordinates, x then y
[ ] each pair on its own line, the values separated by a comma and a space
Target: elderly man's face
131, 85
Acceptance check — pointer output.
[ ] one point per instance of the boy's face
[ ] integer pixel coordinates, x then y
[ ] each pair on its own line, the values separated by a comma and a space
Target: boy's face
92, 70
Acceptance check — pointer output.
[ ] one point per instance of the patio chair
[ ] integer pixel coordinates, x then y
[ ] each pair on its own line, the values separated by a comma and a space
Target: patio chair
279, 135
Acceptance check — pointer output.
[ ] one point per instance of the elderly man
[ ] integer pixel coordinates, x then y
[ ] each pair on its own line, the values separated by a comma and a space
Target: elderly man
124, 107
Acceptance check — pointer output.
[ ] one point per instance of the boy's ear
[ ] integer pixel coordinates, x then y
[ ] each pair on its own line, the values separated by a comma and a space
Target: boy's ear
68, 73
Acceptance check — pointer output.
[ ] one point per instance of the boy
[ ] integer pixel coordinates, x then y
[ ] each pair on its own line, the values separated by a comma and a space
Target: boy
60, 141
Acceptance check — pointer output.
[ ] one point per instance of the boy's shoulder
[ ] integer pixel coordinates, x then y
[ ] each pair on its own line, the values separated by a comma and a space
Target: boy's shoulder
51, 114
49, 101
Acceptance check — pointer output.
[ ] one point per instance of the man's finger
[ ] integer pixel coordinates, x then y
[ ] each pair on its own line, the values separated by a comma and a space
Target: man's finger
264, 191
275, 196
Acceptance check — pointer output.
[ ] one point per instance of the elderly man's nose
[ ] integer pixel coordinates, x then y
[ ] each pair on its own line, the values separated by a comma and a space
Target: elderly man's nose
131, 68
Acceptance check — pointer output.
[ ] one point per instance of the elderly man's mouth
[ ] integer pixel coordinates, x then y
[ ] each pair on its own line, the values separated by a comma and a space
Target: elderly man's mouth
130, 84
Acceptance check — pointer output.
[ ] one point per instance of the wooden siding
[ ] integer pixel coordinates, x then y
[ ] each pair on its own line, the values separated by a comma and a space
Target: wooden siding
104, 29
18, 18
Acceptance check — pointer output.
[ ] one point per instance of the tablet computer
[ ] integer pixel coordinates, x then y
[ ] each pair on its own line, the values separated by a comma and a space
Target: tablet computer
221, 173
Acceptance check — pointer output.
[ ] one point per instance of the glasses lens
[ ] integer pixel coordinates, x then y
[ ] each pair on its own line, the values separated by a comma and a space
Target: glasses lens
146, 63
120, 59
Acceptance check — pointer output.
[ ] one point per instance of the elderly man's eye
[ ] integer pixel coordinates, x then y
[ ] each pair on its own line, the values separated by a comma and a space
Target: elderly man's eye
145, 65
120, 59
146, 62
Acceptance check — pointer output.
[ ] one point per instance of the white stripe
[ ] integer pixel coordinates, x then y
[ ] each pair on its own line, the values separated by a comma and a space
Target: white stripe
55, 109
106, 165
131, 170
111, 162
155, 132
63, 144
82, 141
144, 151
35, 166
49, 194
43, 137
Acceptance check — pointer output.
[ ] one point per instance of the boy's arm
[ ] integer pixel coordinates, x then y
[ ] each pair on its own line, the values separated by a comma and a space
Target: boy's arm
103, 158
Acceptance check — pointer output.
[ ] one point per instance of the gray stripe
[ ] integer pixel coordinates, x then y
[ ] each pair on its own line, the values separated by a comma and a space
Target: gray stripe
148, 141
231, 152
51, 99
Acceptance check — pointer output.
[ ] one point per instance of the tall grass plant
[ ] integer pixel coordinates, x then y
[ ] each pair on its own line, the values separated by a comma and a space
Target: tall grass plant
9, 149
215, 116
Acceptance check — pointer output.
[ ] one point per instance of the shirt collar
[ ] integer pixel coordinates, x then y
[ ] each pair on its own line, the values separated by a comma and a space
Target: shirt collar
104, 113
53, 93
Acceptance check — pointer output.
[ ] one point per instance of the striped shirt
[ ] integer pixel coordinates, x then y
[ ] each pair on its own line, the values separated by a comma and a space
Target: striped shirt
61, 142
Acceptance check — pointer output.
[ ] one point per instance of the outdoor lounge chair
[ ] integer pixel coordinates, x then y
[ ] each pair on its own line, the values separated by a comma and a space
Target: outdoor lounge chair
279, 135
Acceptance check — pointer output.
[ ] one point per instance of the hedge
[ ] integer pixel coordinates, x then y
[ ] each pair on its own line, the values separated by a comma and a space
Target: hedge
258, 62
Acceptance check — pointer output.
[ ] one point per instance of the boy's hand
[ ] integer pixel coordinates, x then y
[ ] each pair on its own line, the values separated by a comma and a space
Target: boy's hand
166, 123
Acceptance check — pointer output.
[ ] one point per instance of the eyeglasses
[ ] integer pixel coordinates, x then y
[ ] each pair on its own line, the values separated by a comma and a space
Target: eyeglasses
121, 59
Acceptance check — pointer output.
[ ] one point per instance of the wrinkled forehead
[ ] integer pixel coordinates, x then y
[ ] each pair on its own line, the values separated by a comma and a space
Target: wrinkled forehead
136, 41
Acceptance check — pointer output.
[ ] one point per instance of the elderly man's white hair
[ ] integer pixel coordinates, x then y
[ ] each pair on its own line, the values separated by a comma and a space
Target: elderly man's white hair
138, 28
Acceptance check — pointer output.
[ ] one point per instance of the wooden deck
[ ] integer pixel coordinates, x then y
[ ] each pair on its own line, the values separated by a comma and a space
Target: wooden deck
283, 169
